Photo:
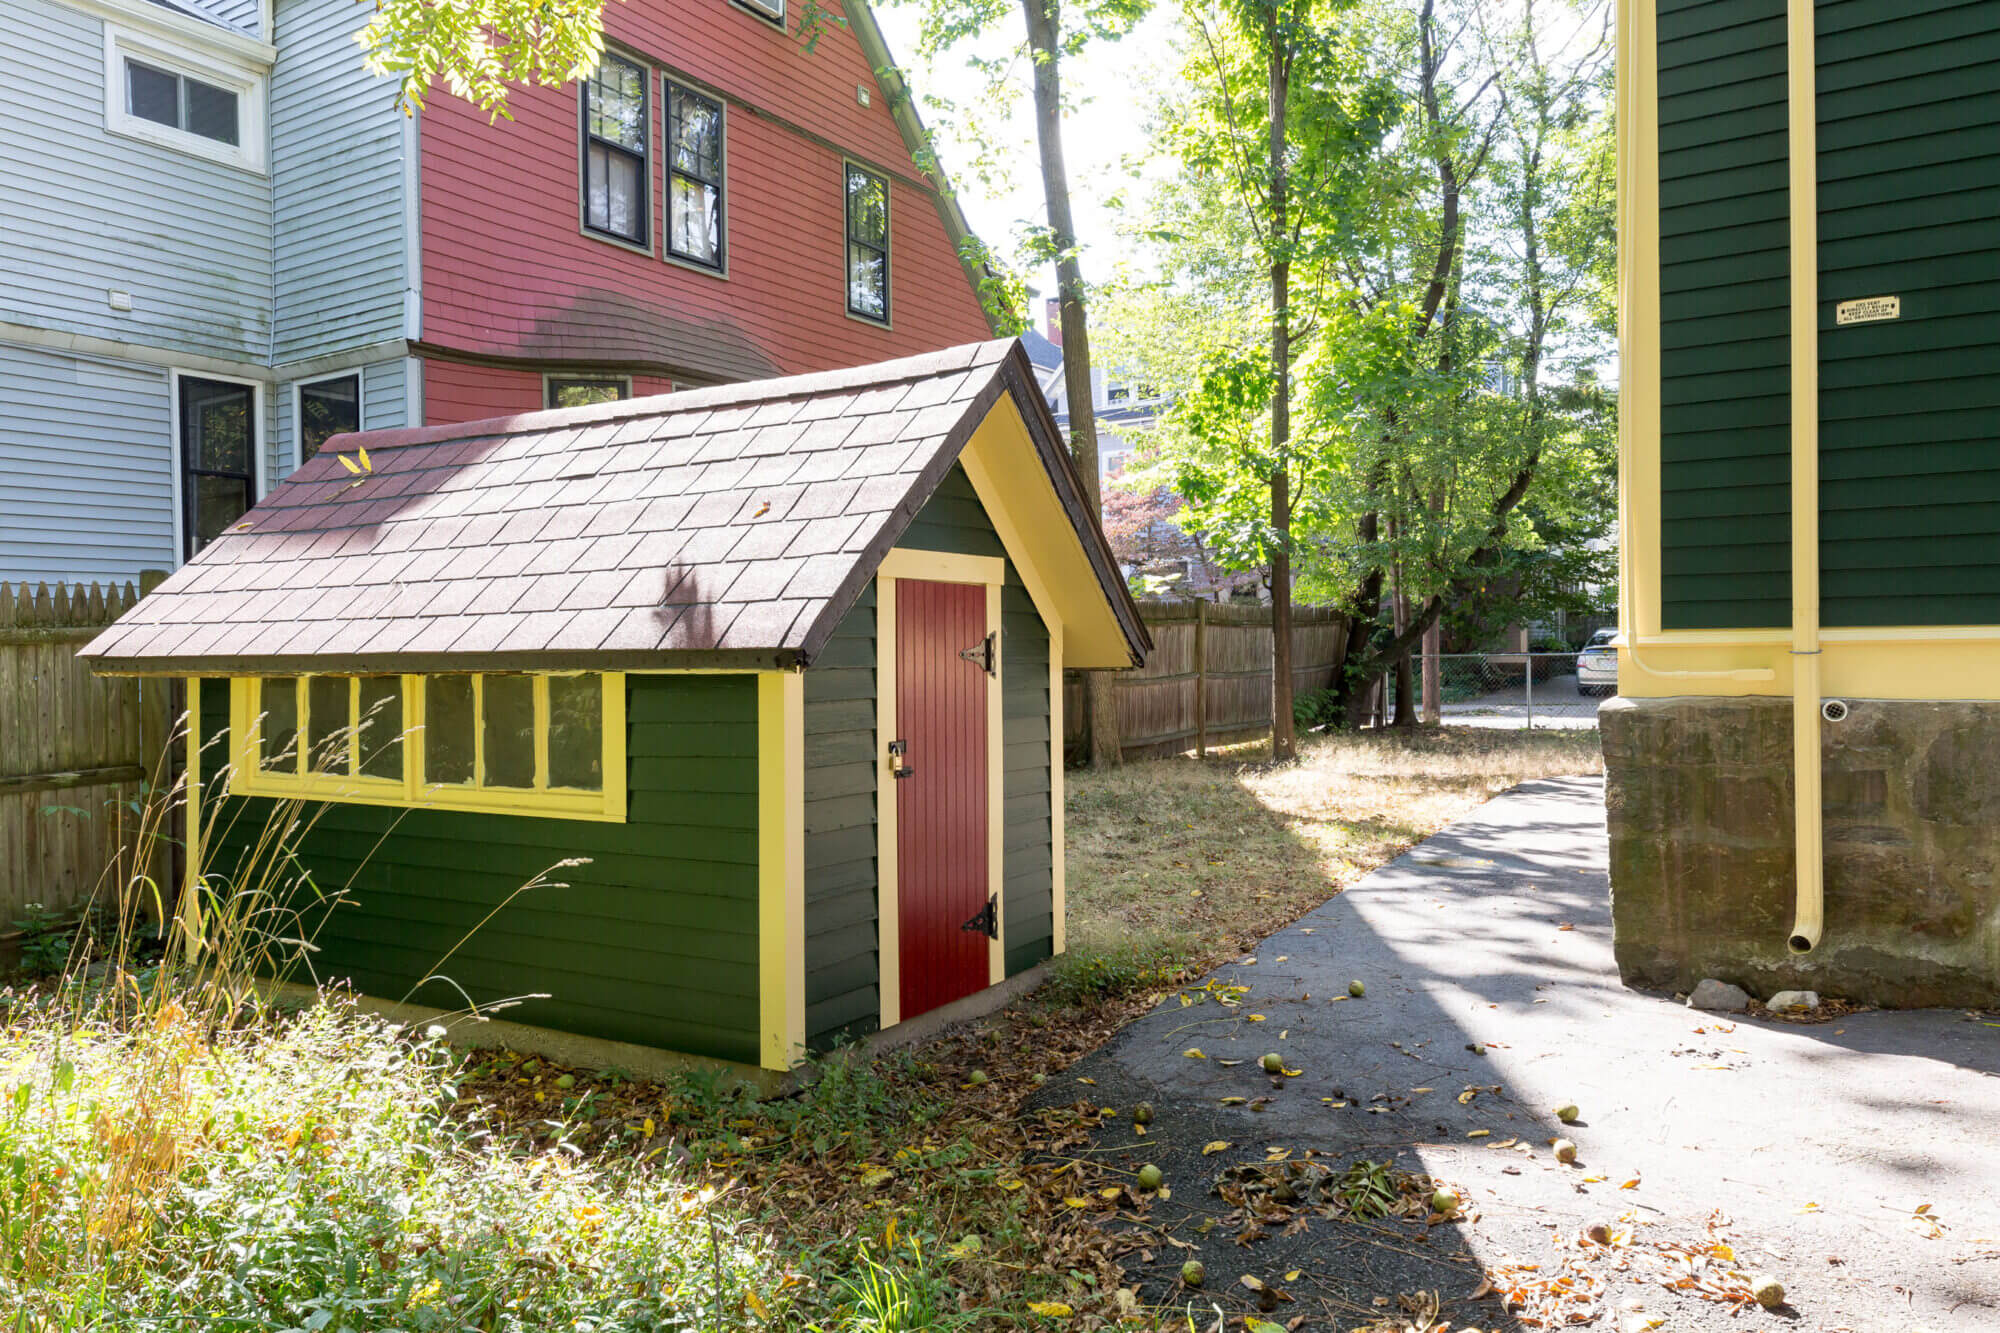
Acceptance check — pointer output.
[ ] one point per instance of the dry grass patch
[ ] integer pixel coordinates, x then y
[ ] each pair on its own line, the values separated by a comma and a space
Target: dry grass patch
1184, 861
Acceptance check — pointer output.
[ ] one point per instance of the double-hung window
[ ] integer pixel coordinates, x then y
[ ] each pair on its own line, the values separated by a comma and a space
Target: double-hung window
532, 743
616, 190
867, 244
218, 430
327, 408
694, 177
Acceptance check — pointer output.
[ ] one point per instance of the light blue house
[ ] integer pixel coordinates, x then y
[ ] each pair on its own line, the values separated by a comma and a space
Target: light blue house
207, 265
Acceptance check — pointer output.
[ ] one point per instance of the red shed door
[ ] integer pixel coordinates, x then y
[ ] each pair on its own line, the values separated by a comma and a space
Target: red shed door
941, 806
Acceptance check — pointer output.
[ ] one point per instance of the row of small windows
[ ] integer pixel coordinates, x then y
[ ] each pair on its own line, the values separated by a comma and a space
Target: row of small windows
617, 180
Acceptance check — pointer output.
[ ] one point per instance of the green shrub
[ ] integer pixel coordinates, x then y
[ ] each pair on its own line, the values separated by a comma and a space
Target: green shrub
165, 1176
1125, 965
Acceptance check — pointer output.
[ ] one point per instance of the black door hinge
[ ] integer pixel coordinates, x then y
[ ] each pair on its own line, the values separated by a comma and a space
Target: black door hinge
987, 922
985, 654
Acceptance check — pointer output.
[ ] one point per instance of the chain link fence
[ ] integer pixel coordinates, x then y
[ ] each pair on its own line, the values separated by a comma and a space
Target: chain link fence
1513, 690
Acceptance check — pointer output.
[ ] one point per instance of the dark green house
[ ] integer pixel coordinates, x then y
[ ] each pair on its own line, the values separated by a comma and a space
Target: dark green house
1802, 784
777, 666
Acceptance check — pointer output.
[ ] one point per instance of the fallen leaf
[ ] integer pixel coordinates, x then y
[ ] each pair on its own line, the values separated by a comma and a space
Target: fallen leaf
1415, 1091
1251, 1282
872, 1176
1255, 1018
1194, 1053
1091, 1081
1478, 1133
1050, 1309
1076, 1201
1293, 1276
1219, 1145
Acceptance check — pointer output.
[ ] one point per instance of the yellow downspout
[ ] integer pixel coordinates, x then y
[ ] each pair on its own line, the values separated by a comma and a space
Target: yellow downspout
1804, 152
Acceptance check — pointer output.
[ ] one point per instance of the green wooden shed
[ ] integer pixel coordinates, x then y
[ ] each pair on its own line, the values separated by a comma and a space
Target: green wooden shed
778, 665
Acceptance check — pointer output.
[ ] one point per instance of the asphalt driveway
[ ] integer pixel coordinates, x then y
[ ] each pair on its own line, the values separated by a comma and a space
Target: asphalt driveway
1856, 1160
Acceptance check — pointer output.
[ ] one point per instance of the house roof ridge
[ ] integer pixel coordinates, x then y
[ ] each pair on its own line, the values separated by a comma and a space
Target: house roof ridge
923, 365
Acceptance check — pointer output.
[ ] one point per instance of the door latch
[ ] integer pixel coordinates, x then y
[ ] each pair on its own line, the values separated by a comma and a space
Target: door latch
897, 768
987, 922
985, 654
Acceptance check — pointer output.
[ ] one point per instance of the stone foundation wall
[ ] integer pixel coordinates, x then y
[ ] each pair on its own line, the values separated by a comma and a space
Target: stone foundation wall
1699, 797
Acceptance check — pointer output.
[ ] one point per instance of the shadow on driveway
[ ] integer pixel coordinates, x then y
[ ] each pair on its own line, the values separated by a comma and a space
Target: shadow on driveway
1817, 1144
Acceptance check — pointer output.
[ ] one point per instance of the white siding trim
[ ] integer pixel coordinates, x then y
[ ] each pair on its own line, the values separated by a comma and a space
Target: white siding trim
110, 349
246, 78
174, 26
413, 229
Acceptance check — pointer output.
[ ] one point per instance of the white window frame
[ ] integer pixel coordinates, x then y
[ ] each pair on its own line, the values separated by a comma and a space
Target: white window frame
549, 378
771, 11
241, 77
259, 455
360, 377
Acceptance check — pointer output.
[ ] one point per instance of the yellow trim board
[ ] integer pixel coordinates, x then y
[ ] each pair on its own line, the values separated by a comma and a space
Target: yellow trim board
996, 789
888, 920
1639, 317
1033, 525
781, 868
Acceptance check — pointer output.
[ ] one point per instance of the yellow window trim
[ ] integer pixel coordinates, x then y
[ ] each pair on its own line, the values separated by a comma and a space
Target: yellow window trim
247, 777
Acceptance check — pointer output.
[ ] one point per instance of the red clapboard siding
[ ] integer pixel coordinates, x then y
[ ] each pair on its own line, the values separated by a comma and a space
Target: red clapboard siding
508, 272
940, 809
454, 391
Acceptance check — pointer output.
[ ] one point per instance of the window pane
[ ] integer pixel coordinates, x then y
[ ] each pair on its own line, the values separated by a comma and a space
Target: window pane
152, 94
696, 232
211, 111
582, 393
613, 201
277, 697
327, 723
381, 723
867, 208
507, 726
218, 503
448, 729
326, 409
576, 732
694, 130
617, 103
215, 426
867, 282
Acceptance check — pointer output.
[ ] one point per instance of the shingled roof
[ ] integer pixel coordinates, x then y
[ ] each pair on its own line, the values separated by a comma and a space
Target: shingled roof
720, 527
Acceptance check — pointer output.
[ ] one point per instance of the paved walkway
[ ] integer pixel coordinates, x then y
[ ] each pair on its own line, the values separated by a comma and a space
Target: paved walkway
1817, 1143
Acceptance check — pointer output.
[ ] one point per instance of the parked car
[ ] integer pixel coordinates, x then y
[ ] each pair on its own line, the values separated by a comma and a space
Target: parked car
1597, 666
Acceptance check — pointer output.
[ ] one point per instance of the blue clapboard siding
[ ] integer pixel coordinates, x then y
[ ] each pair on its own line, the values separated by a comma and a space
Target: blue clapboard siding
337, 164
1725, 443
385, 404
86, 450
841, 761
242, 15
83, 210
1909, 187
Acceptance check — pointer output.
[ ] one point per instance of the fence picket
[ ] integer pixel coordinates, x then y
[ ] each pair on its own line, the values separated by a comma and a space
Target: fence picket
72, 751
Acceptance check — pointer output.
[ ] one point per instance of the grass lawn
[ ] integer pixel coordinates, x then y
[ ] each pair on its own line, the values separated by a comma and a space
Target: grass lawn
1176, 863
322, 1173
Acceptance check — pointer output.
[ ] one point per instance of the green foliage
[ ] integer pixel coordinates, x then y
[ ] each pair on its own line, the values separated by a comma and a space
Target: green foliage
46, 937
306, 1178
1128, 963
1315, 708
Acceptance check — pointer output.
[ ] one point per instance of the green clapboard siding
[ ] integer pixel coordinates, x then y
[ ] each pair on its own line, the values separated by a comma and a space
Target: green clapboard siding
1909, 187
841, 965
654, 941
1725, 493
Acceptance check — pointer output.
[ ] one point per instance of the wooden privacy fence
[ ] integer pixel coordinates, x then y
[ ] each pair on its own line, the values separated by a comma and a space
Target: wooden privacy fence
75, 748
1208, 678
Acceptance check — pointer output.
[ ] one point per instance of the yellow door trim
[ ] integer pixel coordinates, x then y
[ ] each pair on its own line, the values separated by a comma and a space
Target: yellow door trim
940, 567
781, 862
190, 900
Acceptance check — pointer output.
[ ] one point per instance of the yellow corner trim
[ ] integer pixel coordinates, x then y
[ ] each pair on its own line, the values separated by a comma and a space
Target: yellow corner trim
943, 567
781, 896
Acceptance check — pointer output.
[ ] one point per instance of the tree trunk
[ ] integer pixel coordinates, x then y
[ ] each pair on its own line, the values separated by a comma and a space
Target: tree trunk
1406, 703
1434, 675
1284, 743
1043, 19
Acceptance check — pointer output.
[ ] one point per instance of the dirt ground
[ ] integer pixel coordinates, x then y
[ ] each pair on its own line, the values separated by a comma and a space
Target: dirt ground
1851, 1159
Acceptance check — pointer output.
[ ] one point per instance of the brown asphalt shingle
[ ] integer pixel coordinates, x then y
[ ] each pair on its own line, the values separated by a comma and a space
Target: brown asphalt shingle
723, 526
